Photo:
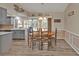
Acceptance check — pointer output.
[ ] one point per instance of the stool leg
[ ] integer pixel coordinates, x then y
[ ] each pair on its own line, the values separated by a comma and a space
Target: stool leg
41, 45
32, 45
55, 42
28, 42
49, 44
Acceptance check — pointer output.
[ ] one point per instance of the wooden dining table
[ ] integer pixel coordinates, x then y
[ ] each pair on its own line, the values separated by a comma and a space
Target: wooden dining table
41, 35
48, 33
45, 36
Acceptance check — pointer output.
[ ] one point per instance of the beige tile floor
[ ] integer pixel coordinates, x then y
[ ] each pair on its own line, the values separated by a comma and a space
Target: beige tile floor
20, 48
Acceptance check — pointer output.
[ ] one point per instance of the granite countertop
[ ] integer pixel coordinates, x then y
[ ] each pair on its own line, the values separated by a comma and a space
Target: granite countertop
3, 33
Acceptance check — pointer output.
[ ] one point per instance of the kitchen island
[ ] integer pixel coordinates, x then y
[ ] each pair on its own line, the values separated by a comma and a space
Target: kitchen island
17, 33
5, 41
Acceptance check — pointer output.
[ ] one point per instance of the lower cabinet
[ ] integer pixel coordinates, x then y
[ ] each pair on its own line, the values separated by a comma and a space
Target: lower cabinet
18, 34
5, 42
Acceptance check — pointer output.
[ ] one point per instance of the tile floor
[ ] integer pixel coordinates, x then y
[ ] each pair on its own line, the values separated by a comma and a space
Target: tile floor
20, 48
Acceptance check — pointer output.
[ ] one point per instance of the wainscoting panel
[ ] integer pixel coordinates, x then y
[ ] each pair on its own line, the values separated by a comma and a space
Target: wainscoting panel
60, 34
72, 39
76, 43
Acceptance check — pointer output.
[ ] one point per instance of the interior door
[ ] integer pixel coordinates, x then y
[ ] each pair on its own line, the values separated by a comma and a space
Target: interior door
49, 24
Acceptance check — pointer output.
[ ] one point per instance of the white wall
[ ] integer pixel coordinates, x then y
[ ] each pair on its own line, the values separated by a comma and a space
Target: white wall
59, 26
59, 15
72, 22
72, 26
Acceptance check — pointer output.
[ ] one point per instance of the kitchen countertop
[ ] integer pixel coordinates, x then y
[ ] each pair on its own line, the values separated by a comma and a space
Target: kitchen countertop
3, 33
13, 28
18, 29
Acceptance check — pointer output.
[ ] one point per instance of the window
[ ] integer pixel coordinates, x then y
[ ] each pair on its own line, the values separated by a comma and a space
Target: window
45, 24
32, 22
20, 24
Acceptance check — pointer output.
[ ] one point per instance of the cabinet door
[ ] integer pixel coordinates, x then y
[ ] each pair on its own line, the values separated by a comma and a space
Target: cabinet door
18, 34
0, 16
8, 20
6, 42
4, 16
49, 24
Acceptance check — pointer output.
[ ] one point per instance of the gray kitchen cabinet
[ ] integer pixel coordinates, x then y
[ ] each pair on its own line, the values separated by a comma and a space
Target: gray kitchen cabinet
8, 20
0, 16
3, 15
18, 34
5, 41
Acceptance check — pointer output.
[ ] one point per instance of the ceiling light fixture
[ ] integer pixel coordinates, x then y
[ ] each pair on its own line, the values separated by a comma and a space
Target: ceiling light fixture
17, 8
42, 18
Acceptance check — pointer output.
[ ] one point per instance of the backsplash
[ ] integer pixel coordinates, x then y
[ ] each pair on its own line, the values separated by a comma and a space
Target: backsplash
6, 26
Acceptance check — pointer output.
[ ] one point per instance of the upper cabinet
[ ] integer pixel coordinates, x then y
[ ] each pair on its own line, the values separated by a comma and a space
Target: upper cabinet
3, 16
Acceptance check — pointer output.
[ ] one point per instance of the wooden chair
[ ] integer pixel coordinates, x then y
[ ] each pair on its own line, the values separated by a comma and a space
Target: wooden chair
48, 38
36, 37
45, 39
55, 37
30, 34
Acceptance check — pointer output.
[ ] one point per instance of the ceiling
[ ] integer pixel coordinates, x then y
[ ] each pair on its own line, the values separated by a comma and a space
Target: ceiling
44, 7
